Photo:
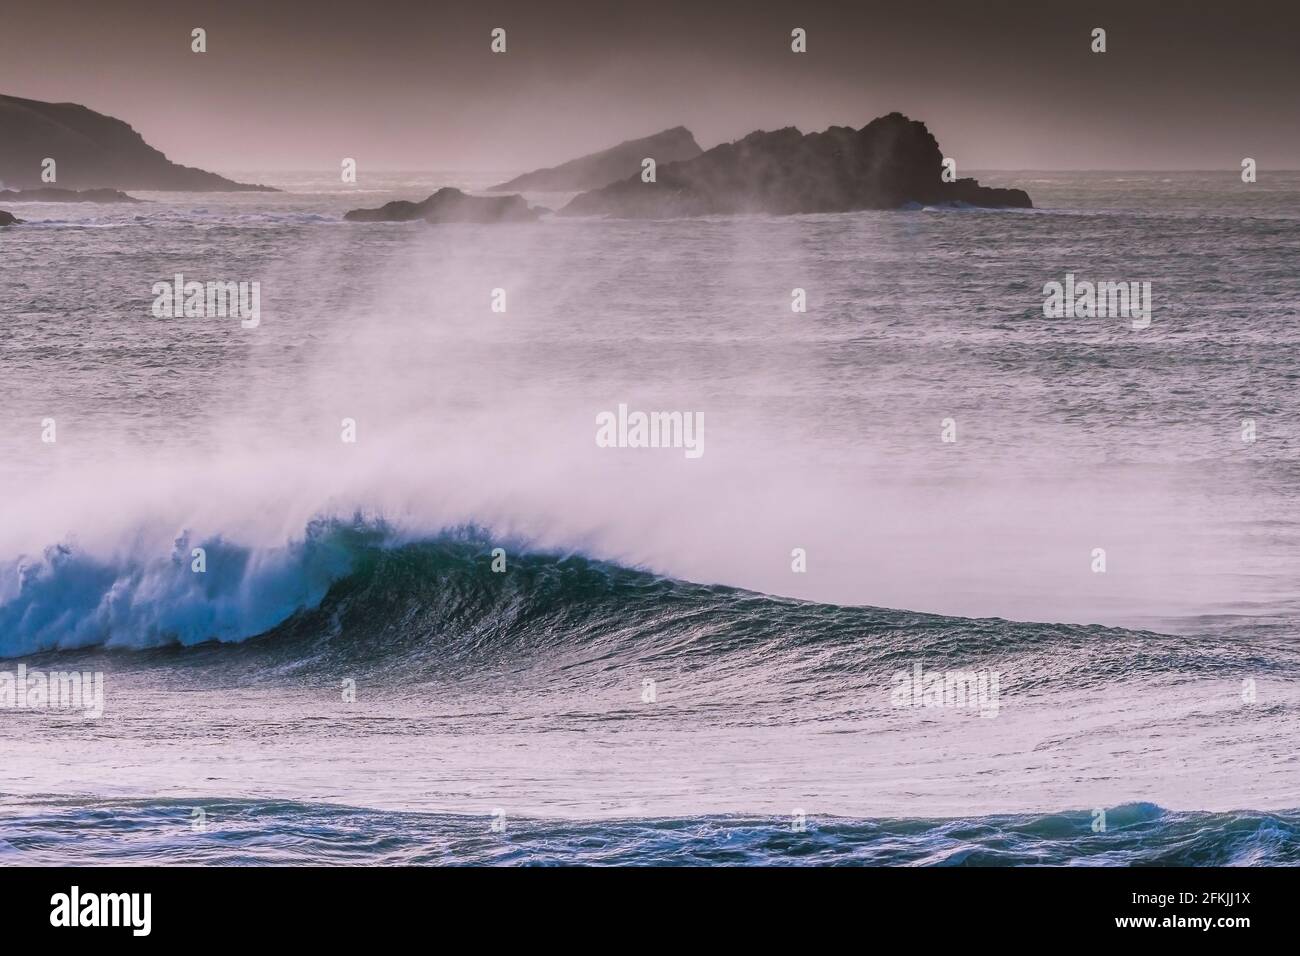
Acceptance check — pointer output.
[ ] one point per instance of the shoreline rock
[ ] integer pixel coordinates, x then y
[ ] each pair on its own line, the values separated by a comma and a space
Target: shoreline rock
607, 166
9, 219
889, 163
51, 194
449, 205
93, 151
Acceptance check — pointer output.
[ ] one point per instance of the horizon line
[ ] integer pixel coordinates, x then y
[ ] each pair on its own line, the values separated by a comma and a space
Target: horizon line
230, 171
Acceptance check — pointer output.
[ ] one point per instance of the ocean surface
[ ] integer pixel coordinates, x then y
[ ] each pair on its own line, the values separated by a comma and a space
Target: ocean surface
472, 635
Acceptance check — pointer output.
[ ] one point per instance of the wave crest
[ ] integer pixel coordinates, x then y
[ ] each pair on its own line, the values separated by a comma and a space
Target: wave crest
67, 598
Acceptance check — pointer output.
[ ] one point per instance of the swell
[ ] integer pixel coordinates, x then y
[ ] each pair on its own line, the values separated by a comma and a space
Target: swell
360, 595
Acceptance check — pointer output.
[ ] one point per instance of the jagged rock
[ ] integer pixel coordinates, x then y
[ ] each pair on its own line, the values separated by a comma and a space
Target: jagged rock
889, 163
608, 166
449, 205
92, 151
8, 219
50, 194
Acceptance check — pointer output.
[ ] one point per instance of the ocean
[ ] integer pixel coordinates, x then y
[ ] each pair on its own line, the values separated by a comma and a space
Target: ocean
950, 581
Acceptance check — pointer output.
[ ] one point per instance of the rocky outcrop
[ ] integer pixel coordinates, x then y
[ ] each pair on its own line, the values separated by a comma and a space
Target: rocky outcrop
608, 166
8, 219
891, 162
449, 205
91, 150
50, 194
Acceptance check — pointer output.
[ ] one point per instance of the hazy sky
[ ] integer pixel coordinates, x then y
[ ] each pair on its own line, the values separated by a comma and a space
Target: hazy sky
412, 84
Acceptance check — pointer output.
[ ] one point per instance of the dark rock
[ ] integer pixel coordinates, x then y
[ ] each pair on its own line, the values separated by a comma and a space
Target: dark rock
92, 151
50, 194
449, 205
889, 163
608, 166
8, 219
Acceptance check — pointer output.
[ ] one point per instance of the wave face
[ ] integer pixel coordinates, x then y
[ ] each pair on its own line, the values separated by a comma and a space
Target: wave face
242, 833
359, 592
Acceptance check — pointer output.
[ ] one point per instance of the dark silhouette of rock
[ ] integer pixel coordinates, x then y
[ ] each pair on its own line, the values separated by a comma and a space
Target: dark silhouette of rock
449, 205
91, 151
891, 162
608, 166
49, 194
8, 219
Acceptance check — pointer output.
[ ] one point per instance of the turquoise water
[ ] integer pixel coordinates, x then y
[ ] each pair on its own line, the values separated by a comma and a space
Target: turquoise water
247, 833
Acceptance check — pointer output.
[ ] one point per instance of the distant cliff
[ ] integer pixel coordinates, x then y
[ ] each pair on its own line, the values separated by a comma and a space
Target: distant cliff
91, 150
891, 162
608, 166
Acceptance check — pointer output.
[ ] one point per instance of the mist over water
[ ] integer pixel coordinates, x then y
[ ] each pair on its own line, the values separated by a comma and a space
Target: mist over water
821, 430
